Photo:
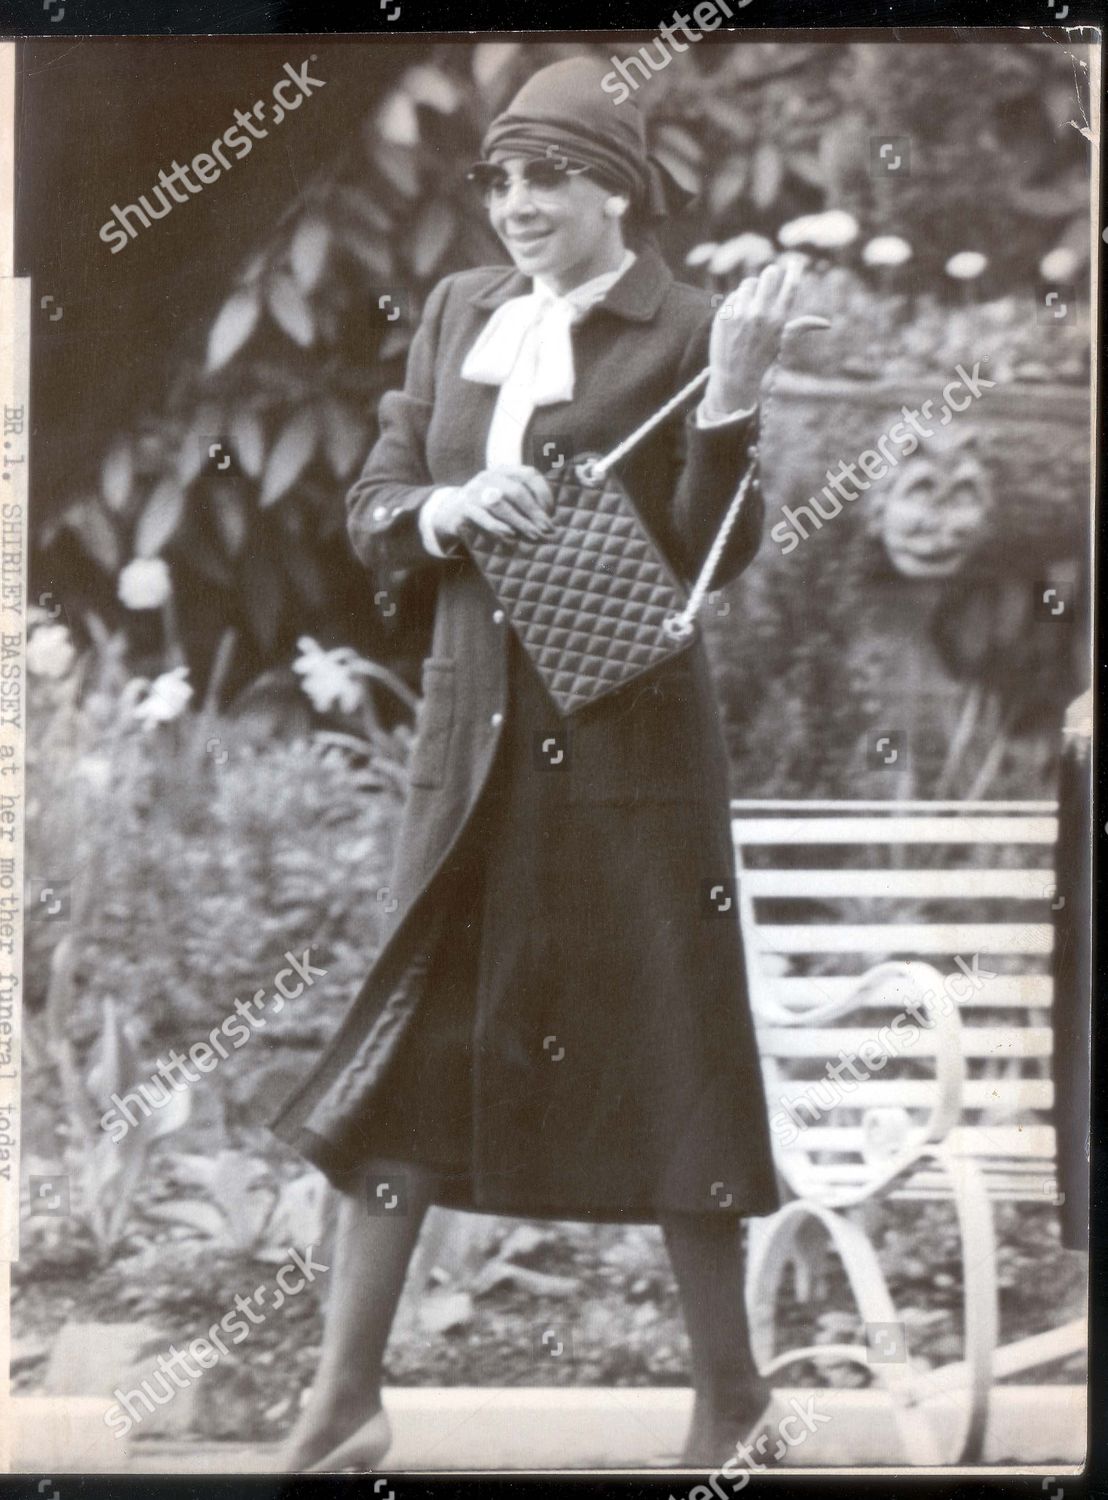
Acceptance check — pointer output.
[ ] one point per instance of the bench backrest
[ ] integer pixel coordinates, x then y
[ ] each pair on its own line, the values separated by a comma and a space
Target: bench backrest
959, 892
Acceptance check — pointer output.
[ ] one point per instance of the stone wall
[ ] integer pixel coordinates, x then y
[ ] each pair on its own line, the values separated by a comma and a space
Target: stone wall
947, 598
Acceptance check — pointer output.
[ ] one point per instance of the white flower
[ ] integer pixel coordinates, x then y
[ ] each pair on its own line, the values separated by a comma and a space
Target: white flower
700, 255
1058, 265
328, 677
50, 651
967, 265
165, 699
36, 615
752, 250
827, 231
144, 583
96, 770
887, 250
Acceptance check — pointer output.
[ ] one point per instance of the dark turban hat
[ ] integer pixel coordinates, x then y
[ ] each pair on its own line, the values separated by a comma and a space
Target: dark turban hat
564, 109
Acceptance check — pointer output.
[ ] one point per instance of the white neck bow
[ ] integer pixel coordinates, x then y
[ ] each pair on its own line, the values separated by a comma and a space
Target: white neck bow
525, 348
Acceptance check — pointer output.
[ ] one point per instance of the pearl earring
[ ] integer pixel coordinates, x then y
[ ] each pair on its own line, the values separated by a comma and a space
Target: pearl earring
615, 208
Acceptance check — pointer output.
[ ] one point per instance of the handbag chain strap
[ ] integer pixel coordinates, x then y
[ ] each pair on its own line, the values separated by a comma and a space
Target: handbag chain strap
679, 627
595, 471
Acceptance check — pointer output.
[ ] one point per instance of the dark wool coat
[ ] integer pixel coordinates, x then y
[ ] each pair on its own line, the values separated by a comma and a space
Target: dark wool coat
669, 1111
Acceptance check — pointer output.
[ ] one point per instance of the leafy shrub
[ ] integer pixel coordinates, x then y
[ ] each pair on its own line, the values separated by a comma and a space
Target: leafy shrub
197, 852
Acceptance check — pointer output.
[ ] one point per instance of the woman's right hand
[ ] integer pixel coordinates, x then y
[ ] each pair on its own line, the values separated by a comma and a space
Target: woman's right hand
506, 501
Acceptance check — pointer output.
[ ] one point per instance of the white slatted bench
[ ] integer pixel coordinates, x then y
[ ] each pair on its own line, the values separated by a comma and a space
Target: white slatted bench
853, 914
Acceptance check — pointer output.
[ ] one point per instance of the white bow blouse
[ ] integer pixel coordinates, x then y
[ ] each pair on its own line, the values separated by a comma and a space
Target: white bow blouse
526, 349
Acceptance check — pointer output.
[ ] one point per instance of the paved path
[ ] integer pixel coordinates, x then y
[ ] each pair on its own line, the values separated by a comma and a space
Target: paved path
537, 1428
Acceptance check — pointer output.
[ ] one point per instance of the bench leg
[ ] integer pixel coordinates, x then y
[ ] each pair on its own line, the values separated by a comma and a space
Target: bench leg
778, 1241
981, 1315
768, 1258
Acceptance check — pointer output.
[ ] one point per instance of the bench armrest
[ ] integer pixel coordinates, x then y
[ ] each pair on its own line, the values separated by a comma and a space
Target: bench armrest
921, 987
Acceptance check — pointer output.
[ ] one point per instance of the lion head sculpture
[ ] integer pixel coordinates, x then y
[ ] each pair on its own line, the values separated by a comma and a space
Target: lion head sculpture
936, 508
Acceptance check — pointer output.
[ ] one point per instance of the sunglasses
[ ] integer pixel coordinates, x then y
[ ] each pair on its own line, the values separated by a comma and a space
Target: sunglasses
544, 179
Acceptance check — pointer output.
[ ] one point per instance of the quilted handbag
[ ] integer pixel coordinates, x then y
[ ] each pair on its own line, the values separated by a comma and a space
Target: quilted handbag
596, 605
591, 604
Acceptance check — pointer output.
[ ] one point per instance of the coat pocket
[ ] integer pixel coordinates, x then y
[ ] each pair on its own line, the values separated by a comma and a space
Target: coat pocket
435, 723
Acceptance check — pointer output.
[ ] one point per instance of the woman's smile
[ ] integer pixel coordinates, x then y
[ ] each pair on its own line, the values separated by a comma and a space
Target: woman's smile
548, 251
530, 239
526, 239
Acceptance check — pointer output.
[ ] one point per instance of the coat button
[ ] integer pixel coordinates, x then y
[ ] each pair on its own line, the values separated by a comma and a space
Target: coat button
497, 719
498, 617
380, 513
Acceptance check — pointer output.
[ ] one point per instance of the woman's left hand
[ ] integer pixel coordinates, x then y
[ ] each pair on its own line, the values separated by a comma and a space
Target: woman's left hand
747, 332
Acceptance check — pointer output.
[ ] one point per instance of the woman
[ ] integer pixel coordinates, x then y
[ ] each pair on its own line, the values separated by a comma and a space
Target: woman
557, 1024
